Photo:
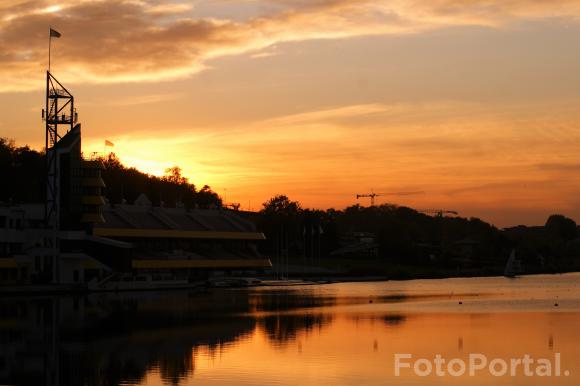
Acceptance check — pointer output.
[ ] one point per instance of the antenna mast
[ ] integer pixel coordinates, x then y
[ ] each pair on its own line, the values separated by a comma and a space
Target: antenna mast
59, 111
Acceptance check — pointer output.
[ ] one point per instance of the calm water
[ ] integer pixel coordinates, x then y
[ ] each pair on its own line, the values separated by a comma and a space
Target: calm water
338, 334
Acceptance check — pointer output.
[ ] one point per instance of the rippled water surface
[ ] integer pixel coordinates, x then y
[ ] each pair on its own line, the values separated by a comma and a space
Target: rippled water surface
335, 334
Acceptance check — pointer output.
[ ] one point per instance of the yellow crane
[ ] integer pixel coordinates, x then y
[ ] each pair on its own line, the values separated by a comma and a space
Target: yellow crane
373, 195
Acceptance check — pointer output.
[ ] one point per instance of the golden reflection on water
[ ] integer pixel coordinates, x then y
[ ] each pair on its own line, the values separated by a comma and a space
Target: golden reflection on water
339, 334
353, 351
350, 341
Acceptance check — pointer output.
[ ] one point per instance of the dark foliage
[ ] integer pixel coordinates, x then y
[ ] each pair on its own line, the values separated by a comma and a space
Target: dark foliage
561, 227
23, 171
408, 237
128, 183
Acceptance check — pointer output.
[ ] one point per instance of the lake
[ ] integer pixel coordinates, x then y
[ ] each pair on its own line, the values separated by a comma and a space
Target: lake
334, 334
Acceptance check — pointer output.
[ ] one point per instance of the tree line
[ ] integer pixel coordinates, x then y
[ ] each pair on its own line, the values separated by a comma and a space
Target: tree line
22, 172
405, 236
173, 189
399, 235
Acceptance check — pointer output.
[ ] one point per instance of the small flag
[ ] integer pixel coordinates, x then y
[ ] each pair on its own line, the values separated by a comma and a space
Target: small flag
109, 143
54, 33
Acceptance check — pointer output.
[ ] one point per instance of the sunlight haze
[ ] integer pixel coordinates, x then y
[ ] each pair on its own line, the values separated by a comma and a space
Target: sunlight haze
474, 103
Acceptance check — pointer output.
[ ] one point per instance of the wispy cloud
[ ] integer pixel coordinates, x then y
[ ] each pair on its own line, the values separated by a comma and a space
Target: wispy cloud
263, 54
146, 99
559, 167
470, 160
329, 114
151, 40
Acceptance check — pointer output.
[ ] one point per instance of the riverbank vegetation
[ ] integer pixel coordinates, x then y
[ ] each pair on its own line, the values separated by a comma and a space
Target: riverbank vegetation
386, 239
402, 242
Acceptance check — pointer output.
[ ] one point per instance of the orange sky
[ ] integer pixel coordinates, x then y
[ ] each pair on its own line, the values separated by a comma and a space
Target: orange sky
473, 102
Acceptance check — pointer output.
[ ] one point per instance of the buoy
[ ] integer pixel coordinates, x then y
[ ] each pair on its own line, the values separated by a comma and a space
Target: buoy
460, 302
556, 304
370, 301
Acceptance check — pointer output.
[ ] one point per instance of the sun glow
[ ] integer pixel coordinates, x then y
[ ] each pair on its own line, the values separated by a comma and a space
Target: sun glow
476, 106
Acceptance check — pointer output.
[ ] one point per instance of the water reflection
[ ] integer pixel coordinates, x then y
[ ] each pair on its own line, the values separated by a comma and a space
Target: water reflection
111, 339
283, 329
308, 335
103, 340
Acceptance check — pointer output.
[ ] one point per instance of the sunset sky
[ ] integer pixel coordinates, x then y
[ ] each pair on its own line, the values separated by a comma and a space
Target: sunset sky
476, 102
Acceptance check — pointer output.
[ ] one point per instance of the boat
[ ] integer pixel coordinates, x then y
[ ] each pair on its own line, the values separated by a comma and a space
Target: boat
513, 267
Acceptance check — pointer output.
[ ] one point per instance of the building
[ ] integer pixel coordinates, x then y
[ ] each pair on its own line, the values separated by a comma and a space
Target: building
76, 238
357, 244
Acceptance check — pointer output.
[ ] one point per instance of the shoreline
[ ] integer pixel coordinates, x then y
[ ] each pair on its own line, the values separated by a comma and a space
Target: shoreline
67, 290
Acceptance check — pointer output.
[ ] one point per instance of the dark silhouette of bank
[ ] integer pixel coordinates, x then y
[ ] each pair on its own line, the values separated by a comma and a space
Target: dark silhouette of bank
387, 241
398, 242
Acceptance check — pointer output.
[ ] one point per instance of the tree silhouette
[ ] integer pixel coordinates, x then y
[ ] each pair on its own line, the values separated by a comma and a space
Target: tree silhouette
173, 175
126, 184
281, 205
24, 168
562, 227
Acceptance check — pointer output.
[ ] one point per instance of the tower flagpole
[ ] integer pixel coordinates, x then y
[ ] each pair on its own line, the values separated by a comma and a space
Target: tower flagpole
51, 33
49, 44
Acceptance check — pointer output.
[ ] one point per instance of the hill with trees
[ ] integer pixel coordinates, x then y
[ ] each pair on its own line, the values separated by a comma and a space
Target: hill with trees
126, 184
24, 168
388, 239
400, 241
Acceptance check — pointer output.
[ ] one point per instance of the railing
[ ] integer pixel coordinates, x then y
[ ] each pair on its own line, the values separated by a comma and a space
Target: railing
58, 93
59, 119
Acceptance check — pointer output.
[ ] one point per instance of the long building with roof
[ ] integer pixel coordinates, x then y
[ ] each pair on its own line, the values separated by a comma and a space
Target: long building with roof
128, 241
77, 238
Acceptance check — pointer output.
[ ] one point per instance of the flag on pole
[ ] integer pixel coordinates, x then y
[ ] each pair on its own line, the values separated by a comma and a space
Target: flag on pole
109, 143
54, 33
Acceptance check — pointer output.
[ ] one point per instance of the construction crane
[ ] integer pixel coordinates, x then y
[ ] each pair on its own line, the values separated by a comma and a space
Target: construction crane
373, 195
438, 212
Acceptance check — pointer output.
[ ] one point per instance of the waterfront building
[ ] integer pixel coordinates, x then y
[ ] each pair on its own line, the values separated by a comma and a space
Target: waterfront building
76, 238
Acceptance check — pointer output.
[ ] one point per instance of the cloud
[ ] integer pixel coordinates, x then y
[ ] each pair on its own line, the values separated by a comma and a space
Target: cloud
116, 41
476, 159
146, 99
559, 167
263, 54
153, 40
329, 114
169, 8
492, 12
